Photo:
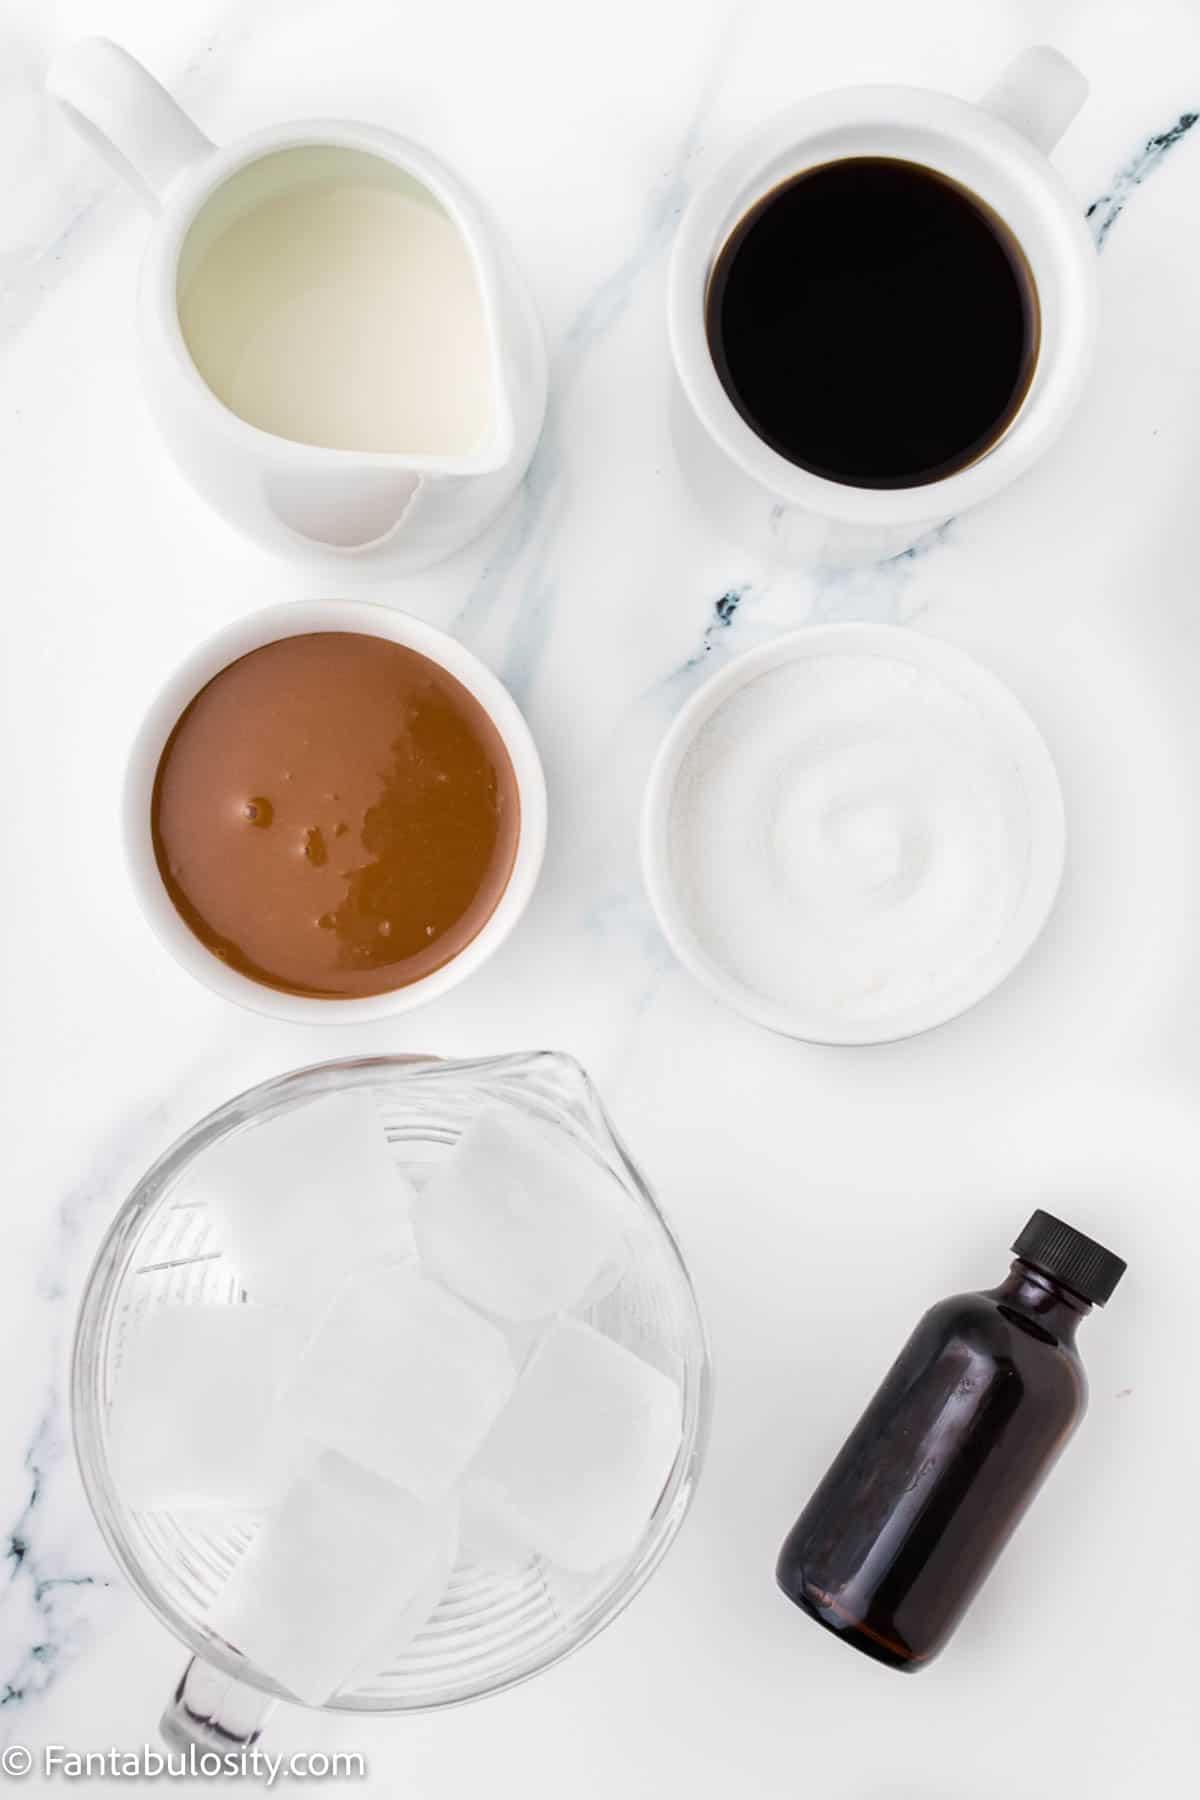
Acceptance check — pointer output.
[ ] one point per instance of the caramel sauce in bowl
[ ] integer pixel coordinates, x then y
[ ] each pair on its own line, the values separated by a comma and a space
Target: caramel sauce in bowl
333, 812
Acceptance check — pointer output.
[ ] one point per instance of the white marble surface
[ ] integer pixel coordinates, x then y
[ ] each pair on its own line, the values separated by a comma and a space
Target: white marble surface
824, 1196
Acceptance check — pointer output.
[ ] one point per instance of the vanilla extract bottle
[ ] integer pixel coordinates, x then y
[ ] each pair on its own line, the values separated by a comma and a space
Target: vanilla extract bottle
936, 1475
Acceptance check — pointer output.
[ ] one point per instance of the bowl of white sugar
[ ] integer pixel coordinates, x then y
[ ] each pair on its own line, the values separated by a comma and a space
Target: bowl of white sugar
852, 834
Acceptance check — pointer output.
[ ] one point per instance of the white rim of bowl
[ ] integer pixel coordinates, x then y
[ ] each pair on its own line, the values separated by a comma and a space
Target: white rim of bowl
1047, 834
299, 618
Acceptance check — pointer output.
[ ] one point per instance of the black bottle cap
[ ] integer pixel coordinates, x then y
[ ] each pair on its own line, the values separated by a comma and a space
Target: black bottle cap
1063, 1253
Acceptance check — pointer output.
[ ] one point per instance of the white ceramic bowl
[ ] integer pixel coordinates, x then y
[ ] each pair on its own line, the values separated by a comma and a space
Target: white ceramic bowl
296, 619
1011, 726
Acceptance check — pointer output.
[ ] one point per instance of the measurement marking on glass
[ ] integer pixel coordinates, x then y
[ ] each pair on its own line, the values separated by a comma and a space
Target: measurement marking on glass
178, 1262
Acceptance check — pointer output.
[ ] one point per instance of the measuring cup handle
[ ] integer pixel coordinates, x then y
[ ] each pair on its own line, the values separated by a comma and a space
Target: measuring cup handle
213, 1711
1038, 95
119, 108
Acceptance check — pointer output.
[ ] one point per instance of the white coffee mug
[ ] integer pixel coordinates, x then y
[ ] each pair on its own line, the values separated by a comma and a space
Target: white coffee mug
404, 503
998, 150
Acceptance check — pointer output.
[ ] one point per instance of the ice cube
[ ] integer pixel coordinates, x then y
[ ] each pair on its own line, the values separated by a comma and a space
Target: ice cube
418, 1609
485, 1541
572, 1593
301, 1200
342, 1573
582, 1452
522, 1337
519, 1220
403, 1377
190, 1422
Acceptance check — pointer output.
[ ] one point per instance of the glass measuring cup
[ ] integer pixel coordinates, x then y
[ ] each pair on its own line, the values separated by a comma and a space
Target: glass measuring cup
496, 1626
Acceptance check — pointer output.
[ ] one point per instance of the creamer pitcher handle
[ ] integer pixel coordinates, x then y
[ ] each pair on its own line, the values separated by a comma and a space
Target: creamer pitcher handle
1038, 94
126, 115
212, 1711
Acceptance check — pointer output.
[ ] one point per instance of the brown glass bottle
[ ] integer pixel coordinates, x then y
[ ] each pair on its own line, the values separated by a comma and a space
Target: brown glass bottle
932, 1481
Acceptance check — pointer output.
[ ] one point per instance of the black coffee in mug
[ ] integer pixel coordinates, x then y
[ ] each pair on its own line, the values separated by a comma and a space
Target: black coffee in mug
874, 322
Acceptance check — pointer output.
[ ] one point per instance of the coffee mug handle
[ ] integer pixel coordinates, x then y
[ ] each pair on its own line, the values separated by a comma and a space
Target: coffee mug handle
126, 115
1038, 94
213, 1711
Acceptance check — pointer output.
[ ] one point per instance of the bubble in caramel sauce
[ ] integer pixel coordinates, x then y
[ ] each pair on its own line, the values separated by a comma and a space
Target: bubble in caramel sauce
258, 811
393, 806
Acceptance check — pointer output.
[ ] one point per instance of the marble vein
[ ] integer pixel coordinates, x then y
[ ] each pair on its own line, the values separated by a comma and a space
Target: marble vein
724, 612
43, 1566
539, 505
755, 611
1104, 211
47, 1626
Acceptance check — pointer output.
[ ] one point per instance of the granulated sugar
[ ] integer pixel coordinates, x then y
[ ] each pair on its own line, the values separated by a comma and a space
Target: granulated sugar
850, 835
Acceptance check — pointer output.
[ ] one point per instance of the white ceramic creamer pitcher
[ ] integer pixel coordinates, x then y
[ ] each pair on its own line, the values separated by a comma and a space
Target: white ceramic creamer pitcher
335, 345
